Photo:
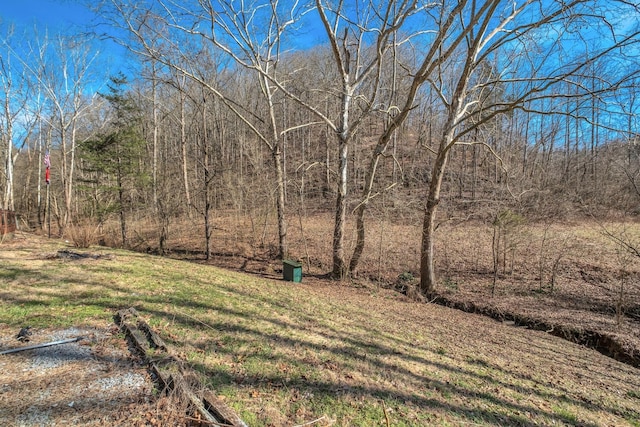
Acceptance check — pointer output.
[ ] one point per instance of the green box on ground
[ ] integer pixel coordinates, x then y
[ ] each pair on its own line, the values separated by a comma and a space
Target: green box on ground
292, 271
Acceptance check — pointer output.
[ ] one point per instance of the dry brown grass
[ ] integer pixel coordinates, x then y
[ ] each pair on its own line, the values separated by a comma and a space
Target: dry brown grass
284, 354
566, 275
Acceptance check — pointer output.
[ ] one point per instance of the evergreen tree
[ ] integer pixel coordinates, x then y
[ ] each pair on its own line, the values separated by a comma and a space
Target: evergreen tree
113, 158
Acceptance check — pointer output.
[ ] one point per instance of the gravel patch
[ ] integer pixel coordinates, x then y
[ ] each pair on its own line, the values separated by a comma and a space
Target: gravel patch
34, 416
129, 382
57, 356
92, 382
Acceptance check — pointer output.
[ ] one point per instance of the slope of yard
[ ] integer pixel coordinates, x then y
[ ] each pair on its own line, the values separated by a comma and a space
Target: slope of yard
285, 354
573, 279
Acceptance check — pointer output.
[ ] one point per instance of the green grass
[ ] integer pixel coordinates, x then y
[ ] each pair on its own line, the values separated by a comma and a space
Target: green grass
565, 414
283, 353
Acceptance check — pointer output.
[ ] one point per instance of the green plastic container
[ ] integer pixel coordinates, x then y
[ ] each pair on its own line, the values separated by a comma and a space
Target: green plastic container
292, 271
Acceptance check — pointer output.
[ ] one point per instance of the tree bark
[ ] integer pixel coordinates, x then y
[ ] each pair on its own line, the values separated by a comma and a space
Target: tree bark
206, 154
427, 259
156, 125
8, 202
280, 203
362, 207
70, 178
183, 146
339, 263
123, 223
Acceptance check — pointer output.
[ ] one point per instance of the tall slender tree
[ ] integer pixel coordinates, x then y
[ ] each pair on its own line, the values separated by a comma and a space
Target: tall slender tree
249, 33
115, 154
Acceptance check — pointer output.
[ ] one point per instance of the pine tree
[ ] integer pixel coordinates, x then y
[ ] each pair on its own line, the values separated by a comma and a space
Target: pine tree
113, 157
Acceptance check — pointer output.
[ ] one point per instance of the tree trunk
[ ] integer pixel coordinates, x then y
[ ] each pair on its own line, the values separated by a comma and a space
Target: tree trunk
163, 216
69, 201
280, 202
339, 263
360, 237
207, 181
62, 220
8, 202
119, 182
154, 150
327, 166
207, 205
183, 150
8, 195
427, 259
366, 196
39, 184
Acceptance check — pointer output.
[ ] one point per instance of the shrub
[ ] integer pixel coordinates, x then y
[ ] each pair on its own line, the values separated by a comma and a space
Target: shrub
82, 236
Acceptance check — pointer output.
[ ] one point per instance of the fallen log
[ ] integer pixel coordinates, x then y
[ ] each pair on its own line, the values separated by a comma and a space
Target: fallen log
211, 409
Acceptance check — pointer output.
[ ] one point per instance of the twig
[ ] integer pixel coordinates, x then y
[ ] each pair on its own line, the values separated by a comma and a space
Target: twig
211, 423
312, 422
194, 319
386, 415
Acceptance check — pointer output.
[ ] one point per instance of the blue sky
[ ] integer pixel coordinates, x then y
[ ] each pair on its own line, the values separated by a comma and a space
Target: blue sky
54, 14
65, 17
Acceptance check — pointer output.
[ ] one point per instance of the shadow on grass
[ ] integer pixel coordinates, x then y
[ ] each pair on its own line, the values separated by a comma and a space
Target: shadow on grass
355, 350
349, 350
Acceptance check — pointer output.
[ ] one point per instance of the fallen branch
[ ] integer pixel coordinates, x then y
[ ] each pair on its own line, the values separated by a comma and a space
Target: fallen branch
199, 420
312, 422
386, 415
48, 344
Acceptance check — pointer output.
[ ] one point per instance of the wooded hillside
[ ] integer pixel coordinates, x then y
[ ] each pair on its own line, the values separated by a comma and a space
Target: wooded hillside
398, 111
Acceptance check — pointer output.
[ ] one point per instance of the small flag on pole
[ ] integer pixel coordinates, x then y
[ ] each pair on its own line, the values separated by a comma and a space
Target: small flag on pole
47, 163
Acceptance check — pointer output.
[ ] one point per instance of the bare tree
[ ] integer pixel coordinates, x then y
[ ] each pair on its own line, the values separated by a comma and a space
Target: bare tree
360, 38
360, 70
507, 30
14, 120
250, 34
474, 63
7, 134
63, 71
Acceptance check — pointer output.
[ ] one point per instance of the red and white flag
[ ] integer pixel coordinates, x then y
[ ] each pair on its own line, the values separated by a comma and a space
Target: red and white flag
47, 163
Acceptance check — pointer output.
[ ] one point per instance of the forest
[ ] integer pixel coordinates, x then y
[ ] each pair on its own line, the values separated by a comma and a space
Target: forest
317, 130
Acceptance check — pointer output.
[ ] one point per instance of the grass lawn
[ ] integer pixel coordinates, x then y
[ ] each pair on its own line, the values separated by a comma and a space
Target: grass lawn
284, 354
